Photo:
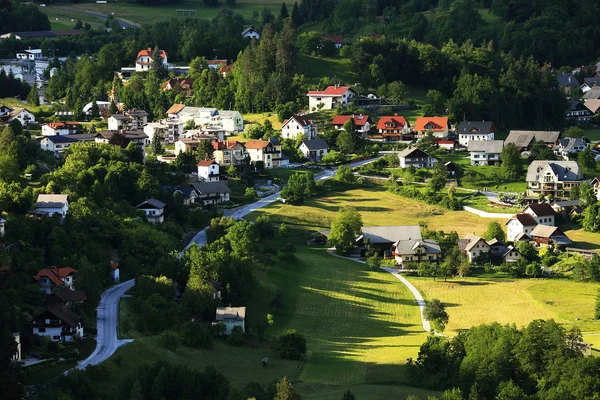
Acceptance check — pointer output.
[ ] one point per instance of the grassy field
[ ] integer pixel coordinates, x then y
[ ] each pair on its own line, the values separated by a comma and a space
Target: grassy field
152, 14
592, 134
316, 68
580, 238
482, 203
65, 16
475, 301
378, 207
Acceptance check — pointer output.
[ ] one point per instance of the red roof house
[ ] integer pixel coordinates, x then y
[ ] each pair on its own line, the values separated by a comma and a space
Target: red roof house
438, 125
362, 122
394, 128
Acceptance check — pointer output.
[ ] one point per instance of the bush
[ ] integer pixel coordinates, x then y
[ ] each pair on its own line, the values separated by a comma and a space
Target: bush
52, 347
291, 345
218, 329
196, 336
237, 337
374, 262
168, 340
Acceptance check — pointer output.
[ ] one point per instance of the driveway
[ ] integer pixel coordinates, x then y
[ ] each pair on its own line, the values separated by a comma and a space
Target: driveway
108, 321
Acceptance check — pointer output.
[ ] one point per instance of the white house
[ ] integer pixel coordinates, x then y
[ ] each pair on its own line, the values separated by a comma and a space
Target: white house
468, 131
267, 151
314, 150
475, 246
167, 129
330, 98
154, 210
250, 33
569, 147
58, 323
230, 317
415, 157
208, 171
362, 123
210, 193
485, 152
542, 213
129, 120
31, 54
416, 250
2, 229
231, 121
58, 144
557, 178
48, 279
23, 115
143, 61
115, 273
59, 128
519, 224
53, 204
298, 124
18, 354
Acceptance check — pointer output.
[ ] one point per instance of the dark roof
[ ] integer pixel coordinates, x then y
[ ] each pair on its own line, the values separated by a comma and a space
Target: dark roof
151, 203
64, 314
542, 210
186, 191
211, 187
567, 79
69, 296
60, 139
412, 152
475, 127
315, 144
524, 219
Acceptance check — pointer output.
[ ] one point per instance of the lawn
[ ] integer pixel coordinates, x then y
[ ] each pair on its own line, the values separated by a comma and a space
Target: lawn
65, 16
378, 207
283, 174
592, 134
475, 301
262, 117
317, 67
482, 203
152, 14
580, 238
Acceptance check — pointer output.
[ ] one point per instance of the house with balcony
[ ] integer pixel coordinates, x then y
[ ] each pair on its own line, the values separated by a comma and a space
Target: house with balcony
59, 128
314, 150
58, 323
485, 152
416, 251
208, 171
266, 151
544, 235
128, 120
469, 131
578, 112
362, 123
415, 157
144, 59
555, 178
298, 124
50, 278
330, 98
229, 152
58, 144
154, 210
394, 128
568, 148
439, 126
23, 115
230, 121
211, 193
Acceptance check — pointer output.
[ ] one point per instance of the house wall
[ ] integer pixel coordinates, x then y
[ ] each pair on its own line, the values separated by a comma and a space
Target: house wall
417, 162
61, 211
512, 256
476, 252
315, 100
541, 220
315, 155
402, 258
48, 131
464, 139
114, 124
209, 173
230, 324
116, 275
483, 158
514, 227
25, 117
180, 147
54, 333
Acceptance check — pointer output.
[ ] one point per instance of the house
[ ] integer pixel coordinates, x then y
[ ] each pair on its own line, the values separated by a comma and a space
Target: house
511, 254
362, 123
394, 128
521, 223
474, 247
578, 111
451, 169
589, 83
475, 130
415, 251
175, 111
58, 144
66, 296
384, 237
250, 33
225, 70
266, 151
53, 204
568, 148
542, 213
187, 193
523, 140
230, 121
330, 98
314, 150
103, 107
30, 55
191, 144
59, 128
415, 157
596, 185
123, 138
115, 274
439, 126
485, 152
154, 210
129, 120
144, 60
564, 207
23, 115
567, 82
544, 235
338, 40
217, 289
447, 144
593, 93
2, 229
298, 124
208, 171
183, 85
167, 129
211, 193
48, 279
593, 105
231, 317
228, 152
18, 356
5, 110
553, 177
58, 323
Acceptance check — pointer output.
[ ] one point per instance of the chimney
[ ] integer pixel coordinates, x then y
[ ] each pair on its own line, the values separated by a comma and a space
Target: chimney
395, 114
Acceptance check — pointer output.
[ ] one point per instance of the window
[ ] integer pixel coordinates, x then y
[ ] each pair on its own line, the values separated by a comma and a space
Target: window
41, 330
56, 337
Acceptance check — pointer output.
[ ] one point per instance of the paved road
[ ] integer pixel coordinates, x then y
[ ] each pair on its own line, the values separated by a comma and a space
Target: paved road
108, 320
124, 23
200, 237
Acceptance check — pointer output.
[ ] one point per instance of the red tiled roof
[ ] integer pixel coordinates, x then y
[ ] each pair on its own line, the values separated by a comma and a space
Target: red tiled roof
398, 122
442, 141
149, 52
56, 125
55, 274
217, 62
359, 120
175, 108
257, 144
225, 69
331, 91
206, 163
338, 39
226, 145
114, 266
437, 123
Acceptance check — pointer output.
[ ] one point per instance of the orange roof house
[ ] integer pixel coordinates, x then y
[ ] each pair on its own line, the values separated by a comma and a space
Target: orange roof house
438, 125
148, 53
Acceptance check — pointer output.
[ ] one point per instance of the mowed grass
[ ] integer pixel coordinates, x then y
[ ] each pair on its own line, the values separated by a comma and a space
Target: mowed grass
311, 391
580, 238
378, 207
146, 15
317, 67
476, 301
65, 16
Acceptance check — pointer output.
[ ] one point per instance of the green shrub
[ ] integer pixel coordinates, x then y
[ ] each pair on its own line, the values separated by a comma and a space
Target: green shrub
168, 340
237, 337
291, 345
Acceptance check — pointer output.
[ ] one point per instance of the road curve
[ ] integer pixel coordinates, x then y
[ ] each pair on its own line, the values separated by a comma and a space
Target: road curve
123, 22
108, 321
